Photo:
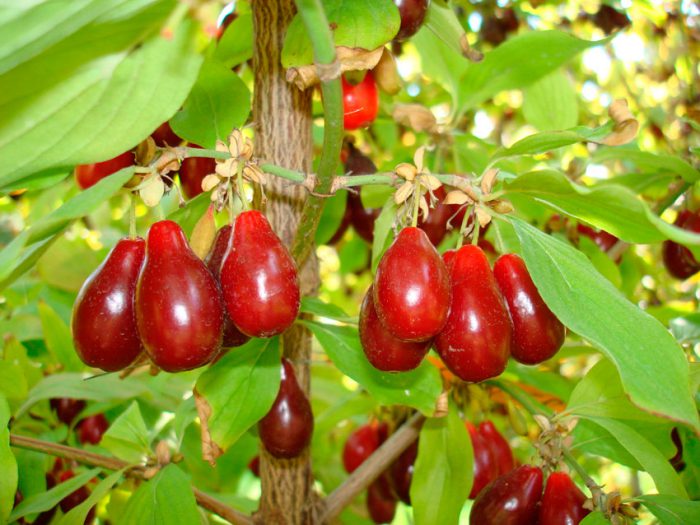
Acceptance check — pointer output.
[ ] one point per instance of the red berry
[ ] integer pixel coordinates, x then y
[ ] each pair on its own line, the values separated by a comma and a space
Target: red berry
412, 14
510, 500
381, 503
384, 351
76, 497
67, 409
287, 428
679, 260
402, 473
412, 287
475, 343
88, 174
435, 226
500, 449
192, 173
362, 218
254, 466
603, 239
259, 279
562, 502
537, 333
104, 321
179, 311
91, 428
360, 102
485, 463
360, 445
448, 258
165, 136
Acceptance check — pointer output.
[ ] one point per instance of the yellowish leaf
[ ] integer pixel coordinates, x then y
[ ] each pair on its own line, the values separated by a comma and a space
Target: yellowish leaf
203, 233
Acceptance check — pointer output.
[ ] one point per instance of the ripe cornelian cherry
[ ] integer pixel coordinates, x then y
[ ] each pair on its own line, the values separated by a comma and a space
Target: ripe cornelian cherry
287, 428
104, 320
485, 464
362, 218
88, 174
76, 497
679, 260
254, 466
448, 258
360, 445
360, 102
412, 287
91, 428
603, 239
475, 342
384, 351
509, 500
192, 173
222, 242
435, 225
179, 311
259, 279
66, 409
402, 473
562, 502
537, 333
381, 502
500, 449
412, 14
165, 136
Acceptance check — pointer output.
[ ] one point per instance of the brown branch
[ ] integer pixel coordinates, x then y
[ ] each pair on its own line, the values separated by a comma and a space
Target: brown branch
97, 460
377, 463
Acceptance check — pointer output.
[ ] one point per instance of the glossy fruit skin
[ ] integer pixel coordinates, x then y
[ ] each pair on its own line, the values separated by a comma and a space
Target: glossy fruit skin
104, 319
179, 311
362, 218
562, 502
402, 473
91, 429
679, 260
384, 351
435, 226
287, 428
360, 103
475, 342
192, 172
165, 136
66, 409
88, 174
360, 445
412, 287
381, 503
259, 279
448, 258
412, 14
500, 449
509, 500
485, 464
232, 336
537, 333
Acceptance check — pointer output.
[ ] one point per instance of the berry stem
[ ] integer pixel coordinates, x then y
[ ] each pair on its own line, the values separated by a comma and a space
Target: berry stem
463, 227
132, 216
240, 189
416, 204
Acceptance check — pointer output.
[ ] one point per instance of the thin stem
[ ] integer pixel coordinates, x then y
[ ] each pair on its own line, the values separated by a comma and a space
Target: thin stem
188, 153
241, 190
132, 216
416, 204
231, 213
364, 180
463, 228
475, 230
284, 173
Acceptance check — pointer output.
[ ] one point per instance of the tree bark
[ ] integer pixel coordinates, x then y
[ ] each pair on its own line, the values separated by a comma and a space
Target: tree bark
282, 116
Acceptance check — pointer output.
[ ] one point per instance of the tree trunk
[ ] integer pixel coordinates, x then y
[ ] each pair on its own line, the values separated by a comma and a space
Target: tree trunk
282, 116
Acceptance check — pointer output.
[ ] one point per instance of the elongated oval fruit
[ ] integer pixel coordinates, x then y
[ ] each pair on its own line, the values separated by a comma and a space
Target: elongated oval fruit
412, 288
475, 343
500, 449
485, 466
179, 310
87, 175
360, 445
222, 244
402, 473
192, 173
287, 428
361, 218
104, 320
510, 500
679, 260
537, 333
259, 279
92, 428
562, 502
381, 503
384, 351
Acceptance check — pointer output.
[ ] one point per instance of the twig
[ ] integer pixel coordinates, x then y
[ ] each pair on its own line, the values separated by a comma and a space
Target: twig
377, 463
97, 460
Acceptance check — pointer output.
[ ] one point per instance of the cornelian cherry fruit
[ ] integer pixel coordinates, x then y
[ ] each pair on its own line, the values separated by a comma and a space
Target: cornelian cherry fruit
192, 173
537, 333
412, 14
500, 449
412, 287
104, 320
485, 466
360, 102
381, 502
287, 428
165, 136
67, 409
402, 473
91, 429
179, 311
562, 502
259, 279
679, 260
509, 500
76, 497
362, 218
475, 342
87, 175
360, 445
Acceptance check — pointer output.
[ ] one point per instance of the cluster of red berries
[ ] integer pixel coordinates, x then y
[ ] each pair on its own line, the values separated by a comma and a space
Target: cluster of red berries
455, 303
158, 296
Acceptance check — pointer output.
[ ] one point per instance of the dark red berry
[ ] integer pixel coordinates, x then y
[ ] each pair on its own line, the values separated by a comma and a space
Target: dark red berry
360, 445
412, 14
362, 218
485, 464
66, 409
88, 174
402, 473
679, 260
91, 429
76, 497
381, 503
509, 500
192, 173
165, 136
360, 102
562, 502
254, 466
500, 449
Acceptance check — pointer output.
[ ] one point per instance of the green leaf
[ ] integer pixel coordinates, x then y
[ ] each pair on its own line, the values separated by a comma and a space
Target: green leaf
165, 499
595, 518
442, 476
49, 499
551, 103
127, 437
37, 181
418, 388
315, 306
591, 438
236, 46
517, 63
354, 255
375, 195
654, 375
188, 215
218, 103
109, 92
240, 388
671, 510
442, 21
8, 465
68, 263
439, 61
348, 18
652, 163
383, 232
686, 329
331, 217
58, 338
77, 515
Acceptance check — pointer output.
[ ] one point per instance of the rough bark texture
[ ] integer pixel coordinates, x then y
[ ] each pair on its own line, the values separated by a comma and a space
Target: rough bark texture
282, 116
